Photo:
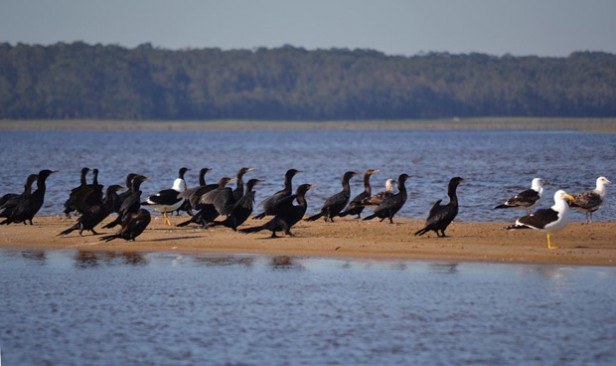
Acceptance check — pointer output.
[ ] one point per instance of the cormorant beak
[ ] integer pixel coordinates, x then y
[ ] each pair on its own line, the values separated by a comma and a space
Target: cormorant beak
54, 171
232, 179
374, 171
312, 186
249, 170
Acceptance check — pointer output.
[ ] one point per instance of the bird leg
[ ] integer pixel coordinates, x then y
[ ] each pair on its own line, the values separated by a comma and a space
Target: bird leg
550, 246
166, 217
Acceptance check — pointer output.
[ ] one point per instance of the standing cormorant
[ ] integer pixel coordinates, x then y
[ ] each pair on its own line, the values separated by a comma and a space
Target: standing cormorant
28, 206
193, 195
391, 205
590, 201
209, 205
241, 209
169, 200
334, 204
69, 205
548, 220
288, 214
9, 201
441, 216
238, 192
131, 203
133, 225
272, 201
122, 196
379, 197
356, 206
528, 199
95, 213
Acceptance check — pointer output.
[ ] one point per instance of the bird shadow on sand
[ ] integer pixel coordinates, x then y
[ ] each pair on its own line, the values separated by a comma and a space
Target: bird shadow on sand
176, 238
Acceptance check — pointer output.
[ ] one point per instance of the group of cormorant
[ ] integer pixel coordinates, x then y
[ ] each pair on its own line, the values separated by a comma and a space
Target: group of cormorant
207, 202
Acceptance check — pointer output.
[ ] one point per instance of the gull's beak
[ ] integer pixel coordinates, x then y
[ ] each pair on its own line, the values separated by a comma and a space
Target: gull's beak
569, 197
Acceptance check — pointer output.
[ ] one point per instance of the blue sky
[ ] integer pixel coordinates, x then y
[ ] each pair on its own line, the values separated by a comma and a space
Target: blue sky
518, 27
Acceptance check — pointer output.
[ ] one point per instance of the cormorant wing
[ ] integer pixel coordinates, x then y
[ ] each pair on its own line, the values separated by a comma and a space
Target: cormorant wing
223, 201
437, 212
337, 199
285, 205
272, 200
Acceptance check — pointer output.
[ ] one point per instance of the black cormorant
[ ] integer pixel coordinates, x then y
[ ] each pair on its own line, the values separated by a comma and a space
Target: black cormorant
29, 206
391, 205
379, 197
272, 201
238, 192
95, 213
334, 204
288, 213
69, 205
192, 195
209, 206
131, 203
241, 209
132, 226
441, 216
356, 206
9, 201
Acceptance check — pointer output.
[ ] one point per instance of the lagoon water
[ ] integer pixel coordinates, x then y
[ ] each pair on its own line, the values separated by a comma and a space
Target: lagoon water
83, 308
498, 163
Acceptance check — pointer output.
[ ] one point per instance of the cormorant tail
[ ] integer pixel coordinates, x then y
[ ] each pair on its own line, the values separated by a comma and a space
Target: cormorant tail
314, 217
109, 237
249, 230
185, 223
115, 222
343, 214
259, 216
70, 229
422, 231
369, 217
501, 206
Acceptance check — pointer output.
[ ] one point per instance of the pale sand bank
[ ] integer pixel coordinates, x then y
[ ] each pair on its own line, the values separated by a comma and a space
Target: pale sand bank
579, 243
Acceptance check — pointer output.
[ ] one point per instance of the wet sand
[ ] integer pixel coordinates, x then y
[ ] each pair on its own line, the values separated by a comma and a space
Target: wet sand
579, 243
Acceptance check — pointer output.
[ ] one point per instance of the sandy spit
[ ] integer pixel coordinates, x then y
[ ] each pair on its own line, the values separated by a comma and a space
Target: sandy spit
579, 243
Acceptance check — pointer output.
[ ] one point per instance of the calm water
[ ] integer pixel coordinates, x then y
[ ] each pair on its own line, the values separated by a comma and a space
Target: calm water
498, 163
77, 308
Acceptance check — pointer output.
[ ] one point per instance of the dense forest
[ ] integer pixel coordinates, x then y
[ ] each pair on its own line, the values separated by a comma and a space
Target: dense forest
79, 80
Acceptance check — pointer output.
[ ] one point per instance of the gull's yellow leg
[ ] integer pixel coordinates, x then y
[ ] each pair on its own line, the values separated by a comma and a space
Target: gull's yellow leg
167, 221
550, 246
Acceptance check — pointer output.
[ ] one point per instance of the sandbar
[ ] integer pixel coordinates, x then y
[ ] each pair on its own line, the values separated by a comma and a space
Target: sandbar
579, 243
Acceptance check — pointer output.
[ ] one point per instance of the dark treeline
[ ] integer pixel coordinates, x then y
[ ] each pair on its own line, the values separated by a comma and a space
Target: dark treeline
110, 82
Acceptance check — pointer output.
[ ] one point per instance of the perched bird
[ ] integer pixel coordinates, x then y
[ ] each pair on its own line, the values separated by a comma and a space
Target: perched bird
441, 216
272, 201
122, 196
391, 205
9, 201
95, 213
528, 199
356, 206
169, 200
590, 201
69, 205
133, 225
28, 206
379, 197
548, 220
241, 209
131, 203
334, 204
211, 204
288, 213
238, 192
192, 195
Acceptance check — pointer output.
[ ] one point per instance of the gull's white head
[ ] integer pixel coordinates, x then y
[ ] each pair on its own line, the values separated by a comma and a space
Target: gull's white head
389, 185
537, 184
602, 182
561, 196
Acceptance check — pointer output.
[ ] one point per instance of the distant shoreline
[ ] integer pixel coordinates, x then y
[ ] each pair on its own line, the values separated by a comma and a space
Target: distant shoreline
486, 123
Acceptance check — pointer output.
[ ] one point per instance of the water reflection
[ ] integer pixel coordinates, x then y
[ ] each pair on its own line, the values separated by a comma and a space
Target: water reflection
35, 255
447, 268
227, 260
88, 259
284, 262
